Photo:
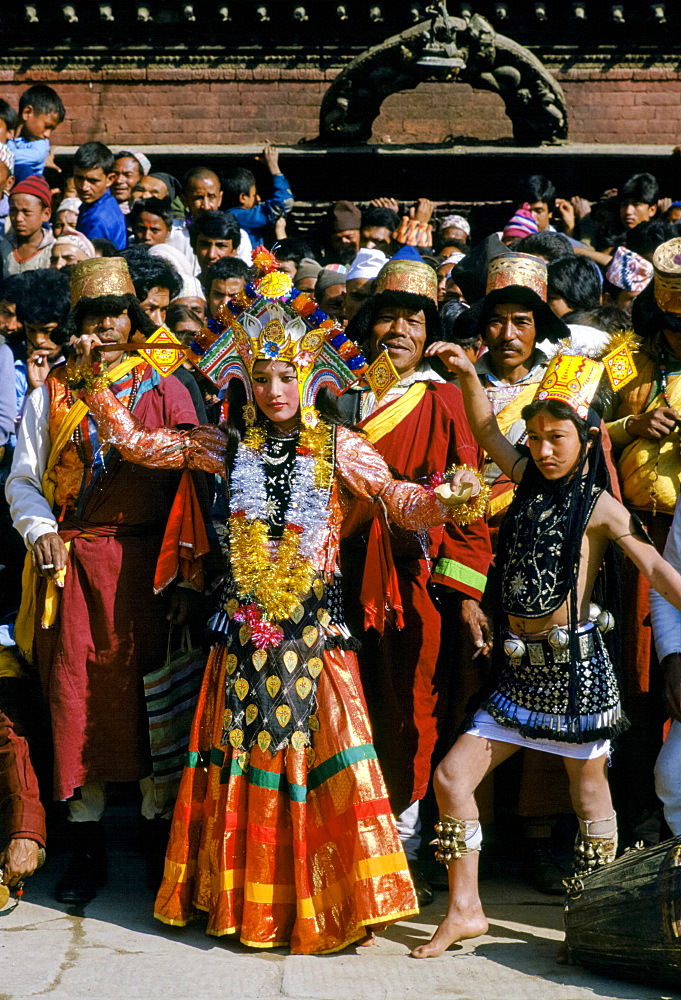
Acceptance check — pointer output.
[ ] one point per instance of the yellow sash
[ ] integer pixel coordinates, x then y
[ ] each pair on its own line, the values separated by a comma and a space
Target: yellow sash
387, 419
650, 467
507, 416
25, 624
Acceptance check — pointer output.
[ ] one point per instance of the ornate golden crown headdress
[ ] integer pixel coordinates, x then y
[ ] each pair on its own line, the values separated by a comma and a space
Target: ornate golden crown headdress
574, 378
517, 270
571, 379
272, 321
91, 279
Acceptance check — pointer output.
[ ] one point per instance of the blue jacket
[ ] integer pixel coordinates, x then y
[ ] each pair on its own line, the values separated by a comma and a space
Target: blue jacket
29, 156
258, 219
103, 219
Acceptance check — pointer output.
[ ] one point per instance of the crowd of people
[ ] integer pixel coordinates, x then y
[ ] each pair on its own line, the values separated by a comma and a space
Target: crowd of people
367, 536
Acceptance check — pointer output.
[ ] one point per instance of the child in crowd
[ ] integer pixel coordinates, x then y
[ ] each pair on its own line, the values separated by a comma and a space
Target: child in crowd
243, 201
66, 216
213, 235
26, 246
40, 112
223, 280
99, 214
151, 220
9, 120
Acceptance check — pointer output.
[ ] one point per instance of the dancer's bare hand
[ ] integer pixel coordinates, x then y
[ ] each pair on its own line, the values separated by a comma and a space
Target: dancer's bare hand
452, 357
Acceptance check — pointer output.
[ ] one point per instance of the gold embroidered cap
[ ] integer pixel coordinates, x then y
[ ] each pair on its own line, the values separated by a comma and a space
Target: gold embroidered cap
571, 379
99, 276
667, 276
517, 270
407, 276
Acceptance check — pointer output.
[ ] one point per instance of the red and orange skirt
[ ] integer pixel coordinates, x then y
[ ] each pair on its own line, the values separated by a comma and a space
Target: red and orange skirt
295, 848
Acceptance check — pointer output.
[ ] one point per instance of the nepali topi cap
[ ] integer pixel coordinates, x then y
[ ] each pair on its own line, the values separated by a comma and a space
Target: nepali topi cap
667, 280
629, 271
92, 279
36, 186
7, 157
366, 264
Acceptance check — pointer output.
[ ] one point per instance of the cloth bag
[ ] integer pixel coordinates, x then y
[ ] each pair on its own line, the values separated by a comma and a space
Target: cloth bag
171, 693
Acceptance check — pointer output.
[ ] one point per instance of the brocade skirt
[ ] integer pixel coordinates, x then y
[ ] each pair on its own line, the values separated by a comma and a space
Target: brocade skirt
295, 848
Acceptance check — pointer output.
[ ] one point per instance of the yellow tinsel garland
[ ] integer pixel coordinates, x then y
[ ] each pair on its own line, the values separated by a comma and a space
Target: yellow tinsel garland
319, 440
278, 583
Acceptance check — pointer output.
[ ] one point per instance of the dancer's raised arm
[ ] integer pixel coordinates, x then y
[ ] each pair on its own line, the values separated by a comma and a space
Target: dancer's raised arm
481, 418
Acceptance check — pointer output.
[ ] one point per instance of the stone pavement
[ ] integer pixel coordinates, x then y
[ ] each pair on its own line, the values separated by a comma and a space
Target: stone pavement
114, 950
118, 951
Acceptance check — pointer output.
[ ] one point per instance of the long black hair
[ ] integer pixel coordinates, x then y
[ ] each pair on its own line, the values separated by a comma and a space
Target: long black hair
234, 427
107, 305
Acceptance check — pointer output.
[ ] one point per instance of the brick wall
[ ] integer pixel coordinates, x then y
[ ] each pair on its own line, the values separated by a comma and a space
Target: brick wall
237, 106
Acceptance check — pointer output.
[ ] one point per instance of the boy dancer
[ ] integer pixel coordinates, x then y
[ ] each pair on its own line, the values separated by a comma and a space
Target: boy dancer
556, 689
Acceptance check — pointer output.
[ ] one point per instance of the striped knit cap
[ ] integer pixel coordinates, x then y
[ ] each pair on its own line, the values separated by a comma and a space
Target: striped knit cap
521, 224
37, 186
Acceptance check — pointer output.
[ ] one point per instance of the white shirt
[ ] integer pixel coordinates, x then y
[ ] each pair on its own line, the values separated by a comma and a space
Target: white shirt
666, 619
31, 514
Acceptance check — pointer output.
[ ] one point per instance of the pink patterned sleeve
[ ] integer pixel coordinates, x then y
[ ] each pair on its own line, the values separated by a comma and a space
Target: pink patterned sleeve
160, 448
365, 474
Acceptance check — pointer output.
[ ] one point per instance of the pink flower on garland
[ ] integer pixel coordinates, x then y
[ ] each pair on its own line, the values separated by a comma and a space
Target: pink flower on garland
263, 633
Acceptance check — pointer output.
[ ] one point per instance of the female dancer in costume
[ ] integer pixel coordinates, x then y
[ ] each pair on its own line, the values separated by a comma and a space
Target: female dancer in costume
556, 690
282, 831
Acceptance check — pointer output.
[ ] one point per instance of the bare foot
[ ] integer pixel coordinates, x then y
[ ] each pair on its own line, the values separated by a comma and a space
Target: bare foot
458, 925
368, 940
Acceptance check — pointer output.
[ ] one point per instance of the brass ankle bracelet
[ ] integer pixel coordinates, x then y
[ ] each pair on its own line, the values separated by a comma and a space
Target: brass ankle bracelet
592, 853
450, 842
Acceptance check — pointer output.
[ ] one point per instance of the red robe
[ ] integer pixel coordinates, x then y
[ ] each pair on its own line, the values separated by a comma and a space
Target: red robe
21, 813
110, 629
406, 690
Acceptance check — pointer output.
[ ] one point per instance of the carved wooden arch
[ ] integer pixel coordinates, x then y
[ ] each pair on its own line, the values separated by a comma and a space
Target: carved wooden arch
445, 49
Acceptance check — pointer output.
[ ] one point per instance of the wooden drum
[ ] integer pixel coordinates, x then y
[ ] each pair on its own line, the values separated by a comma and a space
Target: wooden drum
624, 920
